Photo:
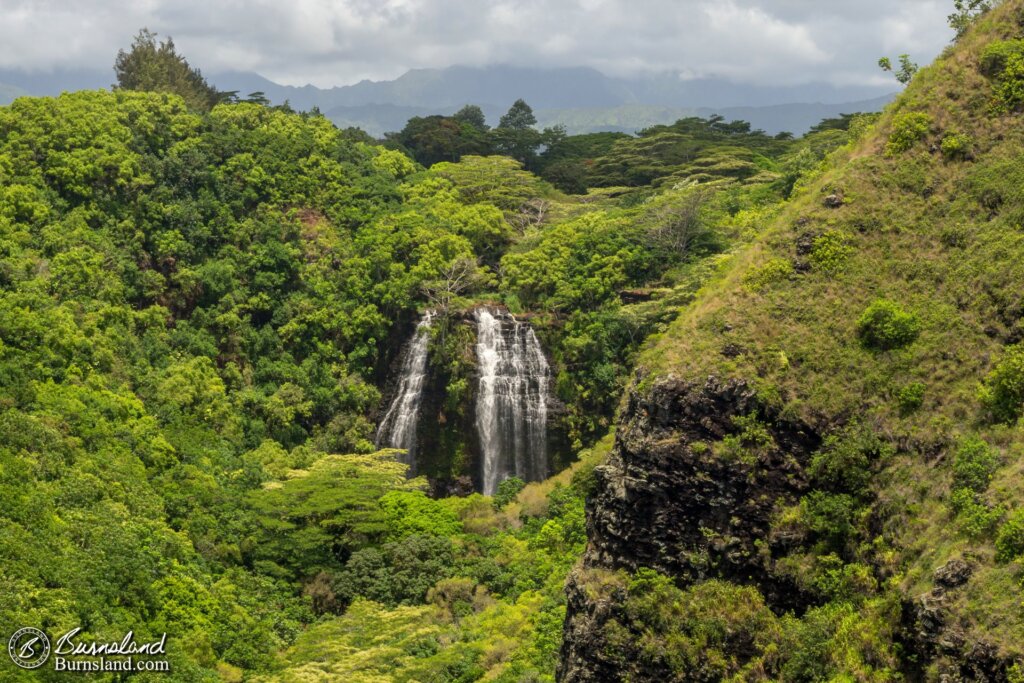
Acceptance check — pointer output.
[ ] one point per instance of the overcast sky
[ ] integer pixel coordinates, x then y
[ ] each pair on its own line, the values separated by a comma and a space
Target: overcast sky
335, 42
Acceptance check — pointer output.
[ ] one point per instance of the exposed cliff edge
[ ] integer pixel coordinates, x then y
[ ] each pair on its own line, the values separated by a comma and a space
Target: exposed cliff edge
665, 501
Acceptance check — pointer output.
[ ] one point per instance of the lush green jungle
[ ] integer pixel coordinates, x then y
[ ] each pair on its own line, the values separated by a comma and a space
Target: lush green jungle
203, 297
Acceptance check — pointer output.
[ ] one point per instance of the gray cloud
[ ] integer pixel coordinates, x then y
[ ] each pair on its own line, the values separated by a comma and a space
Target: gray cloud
333, 42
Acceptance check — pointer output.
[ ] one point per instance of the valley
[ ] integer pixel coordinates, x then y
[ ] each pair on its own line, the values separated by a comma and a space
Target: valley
468, 401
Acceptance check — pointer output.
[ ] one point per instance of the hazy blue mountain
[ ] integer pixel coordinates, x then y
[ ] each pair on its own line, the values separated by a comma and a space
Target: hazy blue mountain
581, 98
795, 118
8, 93
55, 82
670, 90
557, 88
377, 119
438, 89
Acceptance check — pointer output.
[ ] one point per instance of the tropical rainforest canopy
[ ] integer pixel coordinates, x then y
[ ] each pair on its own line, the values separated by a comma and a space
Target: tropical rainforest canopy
202, 298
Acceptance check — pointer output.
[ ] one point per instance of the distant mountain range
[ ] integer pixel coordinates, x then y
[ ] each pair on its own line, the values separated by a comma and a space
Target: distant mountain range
582, 99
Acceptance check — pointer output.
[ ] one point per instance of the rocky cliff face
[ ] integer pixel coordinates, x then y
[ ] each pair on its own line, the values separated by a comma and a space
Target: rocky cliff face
671, 499
667, 501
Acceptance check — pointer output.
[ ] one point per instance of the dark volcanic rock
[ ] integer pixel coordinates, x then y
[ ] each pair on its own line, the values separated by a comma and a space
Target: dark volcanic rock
587, 660
659, 495
731, 350
670, 498
665, 501
834, 201
953, 574
805, 243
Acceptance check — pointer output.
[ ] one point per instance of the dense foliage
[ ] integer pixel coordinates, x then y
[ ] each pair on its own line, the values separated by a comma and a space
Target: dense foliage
199, 306
193, 312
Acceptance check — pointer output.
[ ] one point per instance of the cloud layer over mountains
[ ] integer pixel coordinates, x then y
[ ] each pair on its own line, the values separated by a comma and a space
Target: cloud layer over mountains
332, 42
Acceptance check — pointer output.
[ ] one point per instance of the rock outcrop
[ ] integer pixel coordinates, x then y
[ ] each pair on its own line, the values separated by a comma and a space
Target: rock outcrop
667, 500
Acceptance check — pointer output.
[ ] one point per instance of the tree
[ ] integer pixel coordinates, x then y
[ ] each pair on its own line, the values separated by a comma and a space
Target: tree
459, 276
258, 97
431, 139
153, 66
518, 117
841, 122
492, 180
568, 175
313, 518
471, 115
677, 222
566, 158
906, 71
515, 135
966, 11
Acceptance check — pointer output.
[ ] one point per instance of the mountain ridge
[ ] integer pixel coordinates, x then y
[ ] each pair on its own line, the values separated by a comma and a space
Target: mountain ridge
558, 95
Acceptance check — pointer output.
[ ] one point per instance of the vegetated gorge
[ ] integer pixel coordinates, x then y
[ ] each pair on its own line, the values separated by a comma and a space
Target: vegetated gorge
468, 403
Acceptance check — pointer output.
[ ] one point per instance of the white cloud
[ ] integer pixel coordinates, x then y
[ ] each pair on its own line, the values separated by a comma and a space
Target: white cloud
332, 42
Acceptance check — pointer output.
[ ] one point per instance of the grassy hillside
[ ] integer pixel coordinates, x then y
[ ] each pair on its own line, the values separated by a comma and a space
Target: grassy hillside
880, 312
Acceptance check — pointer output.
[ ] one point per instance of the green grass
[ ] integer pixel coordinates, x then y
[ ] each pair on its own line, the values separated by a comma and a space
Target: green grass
938, 231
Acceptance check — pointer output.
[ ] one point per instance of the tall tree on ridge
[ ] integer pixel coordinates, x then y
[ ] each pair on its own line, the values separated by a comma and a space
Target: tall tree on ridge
157, 66
471, 115
515, 135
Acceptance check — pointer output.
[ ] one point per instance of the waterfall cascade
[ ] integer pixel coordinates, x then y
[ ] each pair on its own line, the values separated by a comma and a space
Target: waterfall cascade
398, 428
511, 402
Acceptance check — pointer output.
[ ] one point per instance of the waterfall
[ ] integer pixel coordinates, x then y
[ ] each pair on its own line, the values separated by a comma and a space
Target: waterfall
398, 428
511, 403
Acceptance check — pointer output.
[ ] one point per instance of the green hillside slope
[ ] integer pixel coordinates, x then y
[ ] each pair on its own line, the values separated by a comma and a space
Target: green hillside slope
833, 424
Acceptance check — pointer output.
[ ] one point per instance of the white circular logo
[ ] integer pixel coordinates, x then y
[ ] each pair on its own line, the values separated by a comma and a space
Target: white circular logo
29, 647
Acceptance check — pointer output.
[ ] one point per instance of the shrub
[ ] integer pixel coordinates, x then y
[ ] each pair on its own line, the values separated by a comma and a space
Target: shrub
974, 518
907, 129
701, 629
831, 516
997, 55
910, 397
974, 464
751, 441
773, 270
954, 236
1009, 91
1003, 61
885, 325
955, 145
844, 461
1010, 539
507, 491
841, 641
1003, 390
830, 251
